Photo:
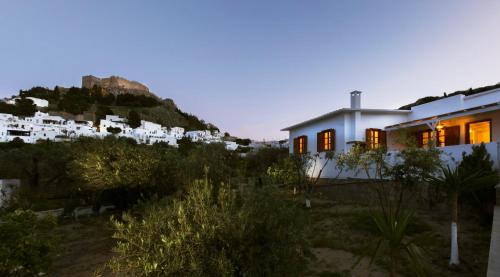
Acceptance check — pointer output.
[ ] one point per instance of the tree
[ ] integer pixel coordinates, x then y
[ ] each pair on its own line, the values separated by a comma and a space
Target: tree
101, 113
455, 182
305, 169
28, 244
25, 107
484, 199
114, 130
114, 165
134, 119
213, 231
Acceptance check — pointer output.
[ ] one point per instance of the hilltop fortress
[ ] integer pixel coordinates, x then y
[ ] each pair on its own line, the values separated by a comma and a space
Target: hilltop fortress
115, 85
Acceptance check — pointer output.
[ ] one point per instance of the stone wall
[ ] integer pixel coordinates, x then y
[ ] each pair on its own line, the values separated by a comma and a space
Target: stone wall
113, 83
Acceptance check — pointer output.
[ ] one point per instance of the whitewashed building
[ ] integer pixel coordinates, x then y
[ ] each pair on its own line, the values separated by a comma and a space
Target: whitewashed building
41, 103
42, 126
455, 124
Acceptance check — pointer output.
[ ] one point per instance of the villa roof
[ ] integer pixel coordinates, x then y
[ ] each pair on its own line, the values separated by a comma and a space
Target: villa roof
479, 109
341, 111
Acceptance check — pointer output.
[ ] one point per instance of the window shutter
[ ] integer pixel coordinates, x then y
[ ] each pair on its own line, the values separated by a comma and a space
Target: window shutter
418, 136
383, 138
368, 138
319, 141
295, 145
333, 138
467, 134
452, 135
305, 144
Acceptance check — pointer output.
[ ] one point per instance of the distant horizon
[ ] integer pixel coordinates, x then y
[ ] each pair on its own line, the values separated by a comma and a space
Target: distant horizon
252, 68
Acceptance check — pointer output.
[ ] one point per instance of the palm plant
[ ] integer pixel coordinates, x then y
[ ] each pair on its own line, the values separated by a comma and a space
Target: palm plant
455, 182
394, 242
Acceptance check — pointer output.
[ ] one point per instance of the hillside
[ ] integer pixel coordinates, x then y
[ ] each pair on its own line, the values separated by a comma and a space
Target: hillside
94, 103
428, 99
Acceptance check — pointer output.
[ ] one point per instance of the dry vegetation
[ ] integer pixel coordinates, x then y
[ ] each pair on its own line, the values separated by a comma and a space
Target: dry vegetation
341, 228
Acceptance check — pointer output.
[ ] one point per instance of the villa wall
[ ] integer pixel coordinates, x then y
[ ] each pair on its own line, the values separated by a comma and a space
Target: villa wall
311, 131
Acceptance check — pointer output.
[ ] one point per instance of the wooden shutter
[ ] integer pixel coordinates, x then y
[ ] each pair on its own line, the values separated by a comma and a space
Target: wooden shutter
418, 136
452, 135
319, 141
368, 138
333, 138
467, 134
296, 146
382, 138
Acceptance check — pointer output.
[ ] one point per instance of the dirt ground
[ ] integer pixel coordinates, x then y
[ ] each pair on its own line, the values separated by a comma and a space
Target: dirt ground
85, 246
341, 228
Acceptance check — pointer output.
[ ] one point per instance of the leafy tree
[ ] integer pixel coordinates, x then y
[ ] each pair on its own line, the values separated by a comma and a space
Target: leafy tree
483, 198
101, 113
114, 130
305, 166
134, 119
43, 93
213, 232
259, 161
186, 145
133, 100
456, 182
25, 107
244, 142
113, 165
75, 100
28, 244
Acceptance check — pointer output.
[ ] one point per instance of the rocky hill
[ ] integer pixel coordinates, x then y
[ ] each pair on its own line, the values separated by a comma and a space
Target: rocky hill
114, 95
116, 85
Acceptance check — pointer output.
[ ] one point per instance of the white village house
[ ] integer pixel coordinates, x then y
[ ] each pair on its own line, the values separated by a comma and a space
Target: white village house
41, 103
455, 123
42, 126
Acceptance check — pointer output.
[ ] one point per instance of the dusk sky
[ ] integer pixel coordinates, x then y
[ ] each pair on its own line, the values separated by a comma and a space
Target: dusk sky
254, 67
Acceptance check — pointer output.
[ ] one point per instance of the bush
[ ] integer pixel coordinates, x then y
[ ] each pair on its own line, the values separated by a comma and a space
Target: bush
27, 244
213, 232
484, 198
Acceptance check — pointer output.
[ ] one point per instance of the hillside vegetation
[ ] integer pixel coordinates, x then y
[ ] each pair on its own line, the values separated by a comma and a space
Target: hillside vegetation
468, 92
93, 104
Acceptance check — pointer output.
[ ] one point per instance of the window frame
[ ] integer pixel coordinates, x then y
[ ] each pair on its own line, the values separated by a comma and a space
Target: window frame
322, 140
298, 141
370, 140
467, 129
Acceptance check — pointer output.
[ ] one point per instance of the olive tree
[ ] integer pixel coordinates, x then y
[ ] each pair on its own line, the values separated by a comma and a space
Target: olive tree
212, 231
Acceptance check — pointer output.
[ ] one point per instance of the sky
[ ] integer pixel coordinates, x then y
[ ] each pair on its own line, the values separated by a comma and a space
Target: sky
255, 67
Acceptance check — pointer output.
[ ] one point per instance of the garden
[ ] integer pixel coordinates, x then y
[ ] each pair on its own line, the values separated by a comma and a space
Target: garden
200, 210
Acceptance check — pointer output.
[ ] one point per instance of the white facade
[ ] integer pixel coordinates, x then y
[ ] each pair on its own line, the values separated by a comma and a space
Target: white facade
350, 125
41, 103
43, 126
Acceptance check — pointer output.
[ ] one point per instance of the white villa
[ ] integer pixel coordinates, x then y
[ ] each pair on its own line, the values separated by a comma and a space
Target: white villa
455, 123
43, 126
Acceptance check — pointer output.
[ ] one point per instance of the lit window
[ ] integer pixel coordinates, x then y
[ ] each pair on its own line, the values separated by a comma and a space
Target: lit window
301, 145
326, 140
375, 138
479, 132
441, 137
426, 137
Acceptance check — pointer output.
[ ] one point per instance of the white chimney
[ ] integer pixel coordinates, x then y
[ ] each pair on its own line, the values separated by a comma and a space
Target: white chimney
356, 99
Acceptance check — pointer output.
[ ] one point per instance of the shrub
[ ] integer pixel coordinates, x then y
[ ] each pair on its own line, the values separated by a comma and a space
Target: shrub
27, 244
213, 232
483, 198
